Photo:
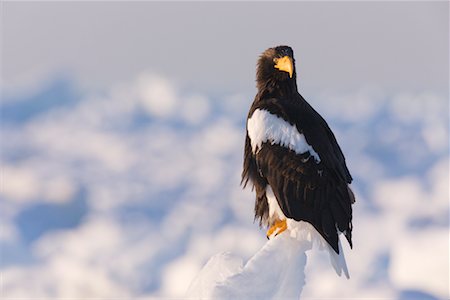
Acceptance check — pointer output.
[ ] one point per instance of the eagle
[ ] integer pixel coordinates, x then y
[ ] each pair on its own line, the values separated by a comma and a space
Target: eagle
292, 158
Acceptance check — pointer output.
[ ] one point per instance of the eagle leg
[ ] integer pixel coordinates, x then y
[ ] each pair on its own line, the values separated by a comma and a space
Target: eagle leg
277, 228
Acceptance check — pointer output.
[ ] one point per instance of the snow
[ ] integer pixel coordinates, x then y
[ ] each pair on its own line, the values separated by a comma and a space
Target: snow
151, 90
217, 270
425, 244
276, 271
162, 194
263, 126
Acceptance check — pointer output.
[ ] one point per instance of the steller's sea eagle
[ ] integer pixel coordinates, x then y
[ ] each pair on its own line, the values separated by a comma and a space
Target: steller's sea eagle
292, 158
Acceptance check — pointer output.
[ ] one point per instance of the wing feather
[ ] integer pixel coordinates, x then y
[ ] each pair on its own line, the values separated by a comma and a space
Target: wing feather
306, 188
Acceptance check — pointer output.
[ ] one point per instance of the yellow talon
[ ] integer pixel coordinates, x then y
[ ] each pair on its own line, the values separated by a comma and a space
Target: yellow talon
278, 226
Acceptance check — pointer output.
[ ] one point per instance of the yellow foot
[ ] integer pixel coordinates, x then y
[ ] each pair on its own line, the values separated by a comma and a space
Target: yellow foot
276, 228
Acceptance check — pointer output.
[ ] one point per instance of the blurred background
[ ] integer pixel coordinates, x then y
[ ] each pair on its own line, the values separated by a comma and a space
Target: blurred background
122, 131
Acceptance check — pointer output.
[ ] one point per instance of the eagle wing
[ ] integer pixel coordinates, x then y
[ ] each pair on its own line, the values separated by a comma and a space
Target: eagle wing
293, 150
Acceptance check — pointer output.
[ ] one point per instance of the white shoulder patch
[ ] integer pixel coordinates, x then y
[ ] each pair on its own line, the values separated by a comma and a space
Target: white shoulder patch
263, 126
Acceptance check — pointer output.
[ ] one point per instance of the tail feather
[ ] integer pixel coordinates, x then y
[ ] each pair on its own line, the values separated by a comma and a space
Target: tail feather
305, 231
338, 260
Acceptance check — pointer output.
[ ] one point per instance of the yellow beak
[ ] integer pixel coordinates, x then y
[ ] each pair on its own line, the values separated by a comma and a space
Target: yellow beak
285, 64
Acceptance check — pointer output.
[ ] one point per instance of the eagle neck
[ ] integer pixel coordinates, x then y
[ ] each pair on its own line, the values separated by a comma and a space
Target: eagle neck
278, 89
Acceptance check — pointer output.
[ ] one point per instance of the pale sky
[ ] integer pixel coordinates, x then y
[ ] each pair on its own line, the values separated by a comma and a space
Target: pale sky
213, 47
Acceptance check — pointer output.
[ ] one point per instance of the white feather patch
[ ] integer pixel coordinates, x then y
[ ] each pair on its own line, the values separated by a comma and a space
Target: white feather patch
275, 211
263, 126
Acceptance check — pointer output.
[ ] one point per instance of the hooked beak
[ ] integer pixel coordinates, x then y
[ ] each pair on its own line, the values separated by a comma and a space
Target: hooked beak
285, 64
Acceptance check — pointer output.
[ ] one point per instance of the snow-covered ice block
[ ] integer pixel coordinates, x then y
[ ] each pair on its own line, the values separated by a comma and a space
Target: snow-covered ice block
276, 271
218, 268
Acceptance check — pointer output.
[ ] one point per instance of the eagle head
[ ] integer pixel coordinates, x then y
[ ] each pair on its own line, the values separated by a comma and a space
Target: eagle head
276, 64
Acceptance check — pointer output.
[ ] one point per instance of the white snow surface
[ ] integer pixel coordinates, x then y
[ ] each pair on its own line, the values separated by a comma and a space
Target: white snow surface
276, 271
263, 126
